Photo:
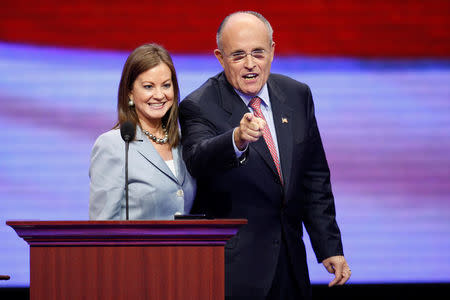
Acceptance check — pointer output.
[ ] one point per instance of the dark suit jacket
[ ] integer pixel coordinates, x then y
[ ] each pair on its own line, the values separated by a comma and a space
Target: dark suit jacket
229, 188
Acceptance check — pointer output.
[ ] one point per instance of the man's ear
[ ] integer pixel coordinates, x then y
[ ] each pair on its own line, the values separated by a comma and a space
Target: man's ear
273, 51
219, 57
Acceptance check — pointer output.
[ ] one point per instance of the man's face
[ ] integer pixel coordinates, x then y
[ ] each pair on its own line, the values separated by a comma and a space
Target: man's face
242, 35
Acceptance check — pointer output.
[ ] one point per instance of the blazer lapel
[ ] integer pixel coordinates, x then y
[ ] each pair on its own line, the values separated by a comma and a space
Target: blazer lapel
282, 118
178, 161
145, 148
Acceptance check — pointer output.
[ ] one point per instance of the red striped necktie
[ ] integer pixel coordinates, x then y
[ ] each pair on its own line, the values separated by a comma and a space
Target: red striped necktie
255, 104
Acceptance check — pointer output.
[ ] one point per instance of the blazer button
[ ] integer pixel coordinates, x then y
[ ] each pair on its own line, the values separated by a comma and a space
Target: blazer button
276, 242
180, 193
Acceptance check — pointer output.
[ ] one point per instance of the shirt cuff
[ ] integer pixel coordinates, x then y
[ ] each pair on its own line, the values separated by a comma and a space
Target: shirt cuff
236, 150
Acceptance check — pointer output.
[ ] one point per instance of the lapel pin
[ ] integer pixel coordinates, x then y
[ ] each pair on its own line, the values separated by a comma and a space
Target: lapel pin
284, 120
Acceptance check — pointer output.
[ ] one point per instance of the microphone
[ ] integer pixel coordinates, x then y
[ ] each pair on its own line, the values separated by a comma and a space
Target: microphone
127, 131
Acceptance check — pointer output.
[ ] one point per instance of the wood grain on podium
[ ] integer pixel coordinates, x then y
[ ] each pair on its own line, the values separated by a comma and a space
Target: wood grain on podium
169, 272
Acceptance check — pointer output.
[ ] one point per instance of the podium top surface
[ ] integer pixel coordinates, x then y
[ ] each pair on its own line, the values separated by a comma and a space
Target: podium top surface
113, 223
133, 232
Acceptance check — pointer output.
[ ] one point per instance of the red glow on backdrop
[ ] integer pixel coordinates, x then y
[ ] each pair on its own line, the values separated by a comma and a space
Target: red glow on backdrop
379, 28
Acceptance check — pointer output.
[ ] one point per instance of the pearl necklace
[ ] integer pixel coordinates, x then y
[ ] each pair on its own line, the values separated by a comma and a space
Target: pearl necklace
158, 140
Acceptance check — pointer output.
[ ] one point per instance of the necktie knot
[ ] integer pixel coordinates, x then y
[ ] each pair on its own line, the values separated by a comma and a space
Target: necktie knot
255, 103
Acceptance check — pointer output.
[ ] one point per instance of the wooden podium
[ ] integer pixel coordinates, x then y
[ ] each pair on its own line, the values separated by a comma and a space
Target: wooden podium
180, 260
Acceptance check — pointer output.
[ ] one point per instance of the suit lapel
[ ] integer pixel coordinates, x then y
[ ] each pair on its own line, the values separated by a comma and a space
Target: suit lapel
145, 148
231, 102
282, 118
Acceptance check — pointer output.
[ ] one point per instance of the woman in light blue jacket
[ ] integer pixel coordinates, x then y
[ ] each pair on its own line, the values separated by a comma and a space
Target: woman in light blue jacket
159, 184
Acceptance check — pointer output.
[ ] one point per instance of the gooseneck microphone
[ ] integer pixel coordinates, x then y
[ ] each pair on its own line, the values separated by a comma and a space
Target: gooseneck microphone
127, 131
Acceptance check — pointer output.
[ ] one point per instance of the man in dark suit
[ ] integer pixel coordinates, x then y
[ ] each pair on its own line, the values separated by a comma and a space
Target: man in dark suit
252, 141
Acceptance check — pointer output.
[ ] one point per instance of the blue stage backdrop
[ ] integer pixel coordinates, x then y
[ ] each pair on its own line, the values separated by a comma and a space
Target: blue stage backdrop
385, 126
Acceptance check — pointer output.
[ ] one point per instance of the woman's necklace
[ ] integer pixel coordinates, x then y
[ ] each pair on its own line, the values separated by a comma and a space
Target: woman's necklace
158, 140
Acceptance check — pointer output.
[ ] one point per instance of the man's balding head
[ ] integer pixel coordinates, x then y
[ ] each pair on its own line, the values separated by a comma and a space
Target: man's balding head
230, 16
245, 51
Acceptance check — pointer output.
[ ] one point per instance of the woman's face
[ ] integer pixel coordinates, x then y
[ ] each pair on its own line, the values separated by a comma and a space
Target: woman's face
153, 95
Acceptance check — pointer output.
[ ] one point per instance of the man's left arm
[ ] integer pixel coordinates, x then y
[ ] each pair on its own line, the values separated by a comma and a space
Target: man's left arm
319, 214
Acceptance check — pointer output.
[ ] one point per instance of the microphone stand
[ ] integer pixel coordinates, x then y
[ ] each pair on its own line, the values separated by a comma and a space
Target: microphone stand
127, 146
127, 131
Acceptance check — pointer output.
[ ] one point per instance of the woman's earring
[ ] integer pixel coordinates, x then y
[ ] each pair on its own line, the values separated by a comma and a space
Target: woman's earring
130, 103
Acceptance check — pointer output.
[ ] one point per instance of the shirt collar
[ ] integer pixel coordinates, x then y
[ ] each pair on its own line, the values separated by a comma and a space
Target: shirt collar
263, 94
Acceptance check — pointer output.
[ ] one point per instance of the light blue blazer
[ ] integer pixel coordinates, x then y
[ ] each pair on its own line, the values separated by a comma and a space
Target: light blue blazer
155, 193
